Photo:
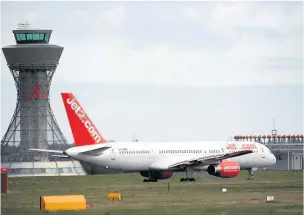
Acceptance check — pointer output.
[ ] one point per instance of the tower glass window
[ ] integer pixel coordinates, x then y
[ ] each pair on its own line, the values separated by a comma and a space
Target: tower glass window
32, 37
29, 36
47, 37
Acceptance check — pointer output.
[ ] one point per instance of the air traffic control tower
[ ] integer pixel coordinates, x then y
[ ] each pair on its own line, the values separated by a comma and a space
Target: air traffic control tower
32, 63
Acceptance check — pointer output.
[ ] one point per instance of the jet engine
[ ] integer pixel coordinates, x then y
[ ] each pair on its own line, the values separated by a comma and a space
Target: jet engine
227, 169
157, 174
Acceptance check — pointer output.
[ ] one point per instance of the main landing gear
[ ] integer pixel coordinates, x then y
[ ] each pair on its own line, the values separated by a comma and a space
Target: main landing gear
250, 173
189, 174
187, 179
150, 178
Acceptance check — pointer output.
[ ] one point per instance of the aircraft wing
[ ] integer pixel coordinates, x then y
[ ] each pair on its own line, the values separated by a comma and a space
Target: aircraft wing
171, 163
211, 159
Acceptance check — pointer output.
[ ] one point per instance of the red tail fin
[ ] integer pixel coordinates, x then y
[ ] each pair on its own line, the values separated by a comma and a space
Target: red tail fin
83, 130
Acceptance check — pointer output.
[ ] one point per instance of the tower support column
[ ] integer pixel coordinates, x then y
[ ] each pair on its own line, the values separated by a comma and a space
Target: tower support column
32, 63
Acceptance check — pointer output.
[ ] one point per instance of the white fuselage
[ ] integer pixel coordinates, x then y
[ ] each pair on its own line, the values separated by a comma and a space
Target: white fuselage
144, 156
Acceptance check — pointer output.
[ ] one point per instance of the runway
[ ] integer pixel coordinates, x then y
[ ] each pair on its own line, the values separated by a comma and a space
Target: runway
201, 197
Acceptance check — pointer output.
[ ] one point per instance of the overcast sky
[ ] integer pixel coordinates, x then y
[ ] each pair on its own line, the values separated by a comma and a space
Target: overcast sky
172, 71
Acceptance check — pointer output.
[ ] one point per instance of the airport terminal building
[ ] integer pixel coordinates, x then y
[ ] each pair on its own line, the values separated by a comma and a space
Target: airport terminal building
288, 149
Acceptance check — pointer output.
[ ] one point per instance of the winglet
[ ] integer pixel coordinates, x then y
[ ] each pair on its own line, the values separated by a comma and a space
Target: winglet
83, 130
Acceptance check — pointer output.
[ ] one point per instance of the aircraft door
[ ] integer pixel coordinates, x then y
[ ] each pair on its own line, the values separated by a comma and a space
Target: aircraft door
113, 154
262, 150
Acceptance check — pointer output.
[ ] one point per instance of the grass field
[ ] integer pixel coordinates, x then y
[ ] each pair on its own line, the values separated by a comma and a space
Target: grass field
243, 197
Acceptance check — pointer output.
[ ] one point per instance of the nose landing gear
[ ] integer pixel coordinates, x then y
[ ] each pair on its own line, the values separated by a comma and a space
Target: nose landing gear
250, 173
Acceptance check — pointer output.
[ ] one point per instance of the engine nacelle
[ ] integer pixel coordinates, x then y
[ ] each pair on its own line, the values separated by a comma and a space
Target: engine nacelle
157, 174
227, 169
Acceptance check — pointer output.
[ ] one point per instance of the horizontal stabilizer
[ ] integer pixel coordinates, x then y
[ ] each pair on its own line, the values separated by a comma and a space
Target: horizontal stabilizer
97, 151
47, 150
60, 156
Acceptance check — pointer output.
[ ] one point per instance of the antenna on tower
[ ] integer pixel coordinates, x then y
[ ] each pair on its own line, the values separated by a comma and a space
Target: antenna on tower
274, 130
134, 139
24, 25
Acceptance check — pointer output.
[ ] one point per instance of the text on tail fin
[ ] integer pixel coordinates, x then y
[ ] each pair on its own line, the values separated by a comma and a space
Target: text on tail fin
83, 130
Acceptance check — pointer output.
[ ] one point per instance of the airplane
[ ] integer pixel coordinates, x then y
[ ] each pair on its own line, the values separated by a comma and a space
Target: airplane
159, 160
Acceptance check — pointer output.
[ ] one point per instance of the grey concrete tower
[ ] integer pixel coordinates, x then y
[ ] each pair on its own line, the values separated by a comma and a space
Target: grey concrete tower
33, 62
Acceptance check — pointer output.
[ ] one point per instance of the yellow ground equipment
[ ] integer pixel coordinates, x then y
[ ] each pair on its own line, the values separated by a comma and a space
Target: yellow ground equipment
115, 196
61, 203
